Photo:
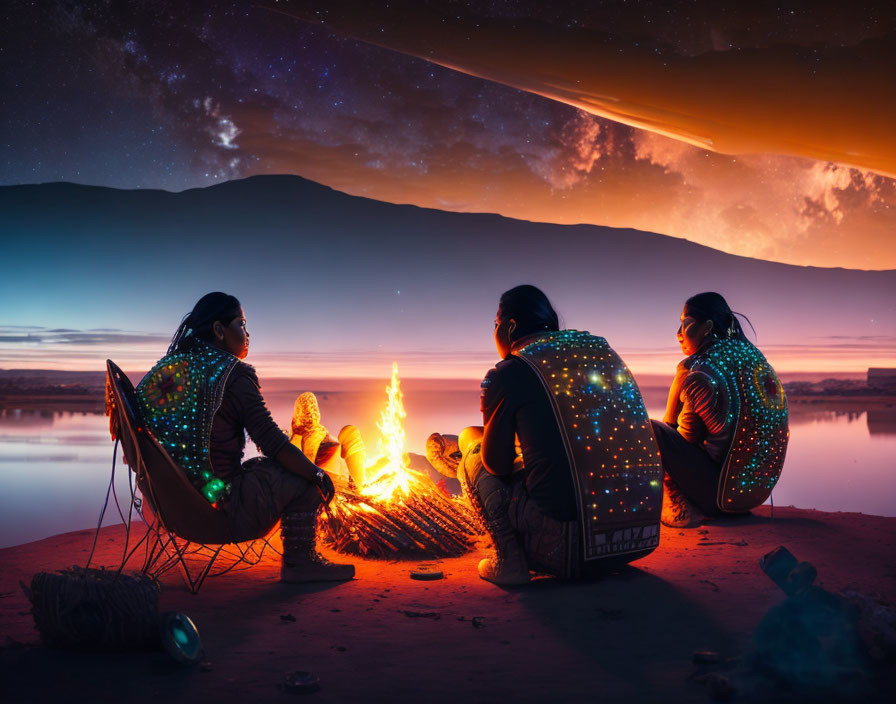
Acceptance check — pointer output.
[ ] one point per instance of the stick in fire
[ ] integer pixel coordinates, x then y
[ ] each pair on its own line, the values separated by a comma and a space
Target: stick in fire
386, 510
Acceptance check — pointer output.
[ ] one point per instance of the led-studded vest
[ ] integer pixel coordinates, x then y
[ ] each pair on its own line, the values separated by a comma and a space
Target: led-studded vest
758, 407
608, 439
178, 400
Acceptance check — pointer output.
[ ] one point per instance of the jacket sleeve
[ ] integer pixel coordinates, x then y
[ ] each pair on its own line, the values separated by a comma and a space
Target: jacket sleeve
498, 448
703, 409
254, 414
673, 404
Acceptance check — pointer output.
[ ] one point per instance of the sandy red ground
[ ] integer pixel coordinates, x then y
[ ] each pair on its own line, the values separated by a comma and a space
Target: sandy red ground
629, 636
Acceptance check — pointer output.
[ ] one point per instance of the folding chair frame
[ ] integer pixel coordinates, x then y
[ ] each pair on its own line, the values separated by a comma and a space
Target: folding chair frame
163, 550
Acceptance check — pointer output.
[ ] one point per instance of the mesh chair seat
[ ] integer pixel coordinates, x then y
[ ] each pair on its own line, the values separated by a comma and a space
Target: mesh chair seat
180, 522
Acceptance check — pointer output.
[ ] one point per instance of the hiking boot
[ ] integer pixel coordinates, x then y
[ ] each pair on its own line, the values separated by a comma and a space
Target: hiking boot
301, 561
490, 499
507, 566
443, 454
315, 569
678, 511
505, 574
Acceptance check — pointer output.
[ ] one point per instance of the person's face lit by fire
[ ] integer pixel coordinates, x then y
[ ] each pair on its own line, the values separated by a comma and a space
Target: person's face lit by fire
504, 329
692, 334
233, 337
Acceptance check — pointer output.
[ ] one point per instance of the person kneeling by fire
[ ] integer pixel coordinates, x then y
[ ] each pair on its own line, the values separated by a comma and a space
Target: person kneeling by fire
565, 474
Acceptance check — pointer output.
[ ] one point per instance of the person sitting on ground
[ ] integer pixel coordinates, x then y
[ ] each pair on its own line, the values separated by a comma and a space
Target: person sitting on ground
199, 401
553, 496
724, 434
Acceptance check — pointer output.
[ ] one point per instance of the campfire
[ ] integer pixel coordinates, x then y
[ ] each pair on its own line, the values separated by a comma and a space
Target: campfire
389, 510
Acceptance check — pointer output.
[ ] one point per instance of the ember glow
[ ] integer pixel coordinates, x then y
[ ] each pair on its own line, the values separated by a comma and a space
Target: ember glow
398, 511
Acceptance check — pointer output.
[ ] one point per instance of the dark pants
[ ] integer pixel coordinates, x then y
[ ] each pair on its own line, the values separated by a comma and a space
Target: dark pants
262, 493
688, 465
550, 545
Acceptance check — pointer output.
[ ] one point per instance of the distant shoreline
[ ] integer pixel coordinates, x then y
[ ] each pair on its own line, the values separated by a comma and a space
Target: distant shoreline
851, 393
84, 391
861, 403
80, 403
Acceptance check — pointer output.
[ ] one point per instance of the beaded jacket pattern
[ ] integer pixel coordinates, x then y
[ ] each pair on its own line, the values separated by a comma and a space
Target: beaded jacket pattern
178, 399
609, 440
757, 407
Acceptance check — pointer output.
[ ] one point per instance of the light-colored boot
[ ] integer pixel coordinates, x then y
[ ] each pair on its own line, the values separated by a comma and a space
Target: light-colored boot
508, 566
442, 452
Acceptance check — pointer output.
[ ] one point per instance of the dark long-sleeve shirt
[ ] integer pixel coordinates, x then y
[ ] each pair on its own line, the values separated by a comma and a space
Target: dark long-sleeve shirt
242, 410
515, 405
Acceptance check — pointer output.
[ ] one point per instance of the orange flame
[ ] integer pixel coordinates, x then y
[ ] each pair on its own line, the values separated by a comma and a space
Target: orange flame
390, 475
397, 510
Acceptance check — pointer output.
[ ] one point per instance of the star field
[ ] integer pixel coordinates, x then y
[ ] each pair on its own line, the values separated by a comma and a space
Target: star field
184, 95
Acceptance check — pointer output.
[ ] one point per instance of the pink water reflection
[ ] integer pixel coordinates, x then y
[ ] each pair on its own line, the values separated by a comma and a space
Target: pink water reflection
54, 467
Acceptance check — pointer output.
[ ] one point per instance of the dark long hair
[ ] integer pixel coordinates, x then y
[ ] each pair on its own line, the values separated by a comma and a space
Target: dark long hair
530, 308
198, 323
713, 306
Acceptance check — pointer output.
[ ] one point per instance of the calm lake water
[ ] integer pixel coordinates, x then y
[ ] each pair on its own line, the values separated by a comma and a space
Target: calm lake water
55, 466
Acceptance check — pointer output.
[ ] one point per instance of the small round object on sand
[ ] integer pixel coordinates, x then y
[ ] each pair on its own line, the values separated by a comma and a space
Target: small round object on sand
427, 575
180, 638
302, 682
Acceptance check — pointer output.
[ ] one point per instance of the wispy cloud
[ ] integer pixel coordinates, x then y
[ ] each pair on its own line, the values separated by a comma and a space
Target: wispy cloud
34, 335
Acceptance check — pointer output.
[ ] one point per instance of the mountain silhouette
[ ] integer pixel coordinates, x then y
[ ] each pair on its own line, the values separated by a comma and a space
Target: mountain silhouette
326, 254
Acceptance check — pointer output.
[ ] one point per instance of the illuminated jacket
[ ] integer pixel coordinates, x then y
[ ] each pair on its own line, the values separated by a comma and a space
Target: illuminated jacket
178, 399
608, 439
734, 405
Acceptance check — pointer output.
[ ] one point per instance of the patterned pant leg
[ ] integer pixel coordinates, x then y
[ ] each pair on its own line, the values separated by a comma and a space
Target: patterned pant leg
551, 546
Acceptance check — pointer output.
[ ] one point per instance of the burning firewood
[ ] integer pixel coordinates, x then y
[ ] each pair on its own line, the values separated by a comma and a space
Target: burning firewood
393, 511
424, 522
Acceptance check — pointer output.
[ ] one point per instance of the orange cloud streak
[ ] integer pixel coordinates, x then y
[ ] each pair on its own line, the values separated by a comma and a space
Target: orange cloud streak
832, 104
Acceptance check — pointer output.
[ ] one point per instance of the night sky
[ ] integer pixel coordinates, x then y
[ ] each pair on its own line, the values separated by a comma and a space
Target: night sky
177, 95
570, 118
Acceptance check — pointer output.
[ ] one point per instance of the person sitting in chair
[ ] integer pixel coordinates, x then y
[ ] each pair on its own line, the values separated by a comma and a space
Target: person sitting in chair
199, 401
